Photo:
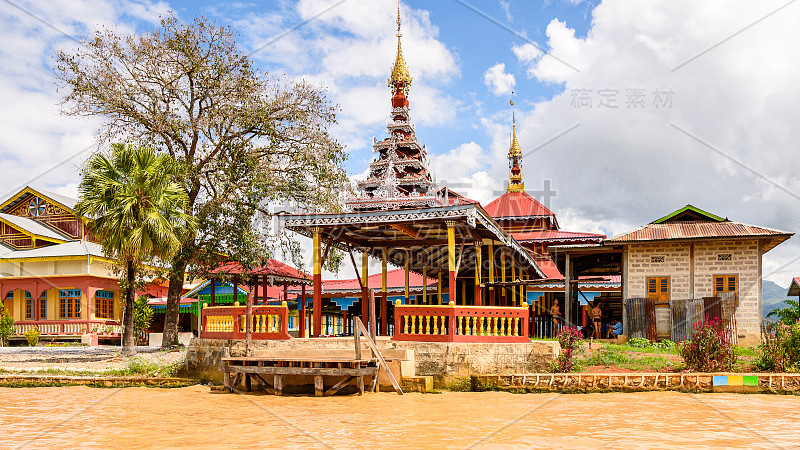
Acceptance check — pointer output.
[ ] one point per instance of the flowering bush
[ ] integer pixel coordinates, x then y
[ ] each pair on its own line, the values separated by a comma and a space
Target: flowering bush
710, 349
570, 340
780, 349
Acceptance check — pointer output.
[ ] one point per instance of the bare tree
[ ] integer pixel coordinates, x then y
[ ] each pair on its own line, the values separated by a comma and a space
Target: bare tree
246, 139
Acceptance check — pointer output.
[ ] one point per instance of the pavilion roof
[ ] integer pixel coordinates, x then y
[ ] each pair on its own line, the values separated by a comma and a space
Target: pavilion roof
419, 235
274, 270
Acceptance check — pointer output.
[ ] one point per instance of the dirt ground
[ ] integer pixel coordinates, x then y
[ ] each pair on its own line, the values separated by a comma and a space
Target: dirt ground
94, 359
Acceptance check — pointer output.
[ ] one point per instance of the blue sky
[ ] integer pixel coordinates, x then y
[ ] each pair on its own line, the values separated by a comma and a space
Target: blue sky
715, 127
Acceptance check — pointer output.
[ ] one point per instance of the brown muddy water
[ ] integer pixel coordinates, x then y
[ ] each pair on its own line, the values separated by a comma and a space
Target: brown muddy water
193, 417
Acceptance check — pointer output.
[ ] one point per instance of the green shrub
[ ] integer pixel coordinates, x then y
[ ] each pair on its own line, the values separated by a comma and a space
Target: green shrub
780, 349
639, 343
32, 336
570, 340
6, 326
666, 344
710, 349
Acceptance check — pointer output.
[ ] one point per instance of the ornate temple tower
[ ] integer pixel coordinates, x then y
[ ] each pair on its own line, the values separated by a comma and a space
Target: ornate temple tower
399, 177
515, 183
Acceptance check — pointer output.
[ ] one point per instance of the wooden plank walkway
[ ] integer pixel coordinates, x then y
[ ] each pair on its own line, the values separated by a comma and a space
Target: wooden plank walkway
241, 370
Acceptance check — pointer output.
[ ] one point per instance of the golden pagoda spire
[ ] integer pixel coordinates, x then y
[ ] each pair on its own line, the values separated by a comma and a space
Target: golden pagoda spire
400, 78
514, 157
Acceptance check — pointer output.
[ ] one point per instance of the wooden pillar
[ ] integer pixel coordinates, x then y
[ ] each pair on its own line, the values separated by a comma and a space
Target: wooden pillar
235, 290
317, 275
213, 298
365, 288
439, 287
344, 321
513, 287
478, 266
491, 274
522, 299
567, 289
264, 285
285, 292
384, 293
407, 273
503, 276
424, 285
451, 260
248, 320
302, 312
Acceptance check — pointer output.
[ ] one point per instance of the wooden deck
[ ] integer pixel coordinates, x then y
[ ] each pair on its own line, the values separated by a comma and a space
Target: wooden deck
240, 370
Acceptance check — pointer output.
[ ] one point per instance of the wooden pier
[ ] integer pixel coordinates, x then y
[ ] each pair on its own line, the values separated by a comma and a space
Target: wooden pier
349, 367
240, 371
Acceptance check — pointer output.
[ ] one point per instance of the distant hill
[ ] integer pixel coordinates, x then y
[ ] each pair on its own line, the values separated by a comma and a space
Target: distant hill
773, 296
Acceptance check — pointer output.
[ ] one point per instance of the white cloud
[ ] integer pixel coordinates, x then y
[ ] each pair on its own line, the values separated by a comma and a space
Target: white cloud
38, 145
498, 81
623, 167
527, 53
349, 49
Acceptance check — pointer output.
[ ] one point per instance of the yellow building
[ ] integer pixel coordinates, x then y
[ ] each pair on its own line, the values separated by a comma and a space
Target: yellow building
51, 276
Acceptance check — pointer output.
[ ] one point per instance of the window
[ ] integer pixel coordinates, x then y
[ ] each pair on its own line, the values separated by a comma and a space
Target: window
69, 303
43, 306
725, 283
724, 257
657, 259
658, 288
104, 304
28, 306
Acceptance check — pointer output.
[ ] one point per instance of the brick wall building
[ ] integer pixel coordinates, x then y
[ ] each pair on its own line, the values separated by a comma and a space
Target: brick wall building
693, 254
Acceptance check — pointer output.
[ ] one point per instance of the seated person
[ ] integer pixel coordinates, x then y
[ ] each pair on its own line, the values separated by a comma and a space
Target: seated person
615, 330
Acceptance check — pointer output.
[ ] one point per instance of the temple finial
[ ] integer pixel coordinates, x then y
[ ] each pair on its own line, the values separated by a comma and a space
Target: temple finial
400, 77
515, 183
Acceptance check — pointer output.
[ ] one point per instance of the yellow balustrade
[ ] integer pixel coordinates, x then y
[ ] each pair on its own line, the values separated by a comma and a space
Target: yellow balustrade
516, 321
414, 325
435, 329
494, 326
405, 320
427, 323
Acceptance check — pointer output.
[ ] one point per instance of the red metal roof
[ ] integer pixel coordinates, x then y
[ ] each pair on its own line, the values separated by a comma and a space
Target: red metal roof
395, 279
517, 204
273, 267
695, 230
557, 236
548, 267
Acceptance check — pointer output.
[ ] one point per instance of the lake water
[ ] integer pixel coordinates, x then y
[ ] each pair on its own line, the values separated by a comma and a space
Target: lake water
194, 417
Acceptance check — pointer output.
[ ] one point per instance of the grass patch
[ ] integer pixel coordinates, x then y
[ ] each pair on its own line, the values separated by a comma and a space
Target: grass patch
618, 356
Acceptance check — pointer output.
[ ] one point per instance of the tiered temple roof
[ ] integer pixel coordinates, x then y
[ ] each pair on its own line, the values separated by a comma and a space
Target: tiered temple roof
399, 177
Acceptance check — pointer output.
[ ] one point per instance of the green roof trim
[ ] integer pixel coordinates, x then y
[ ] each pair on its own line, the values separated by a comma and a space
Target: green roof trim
690, 208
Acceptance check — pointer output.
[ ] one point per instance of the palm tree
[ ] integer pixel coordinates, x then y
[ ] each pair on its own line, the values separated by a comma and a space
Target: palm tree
137, 210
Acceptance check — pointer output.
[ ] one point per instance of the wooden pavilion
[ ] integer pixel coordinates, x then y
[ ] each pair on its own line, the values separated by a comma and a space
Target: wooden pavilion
483, 268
